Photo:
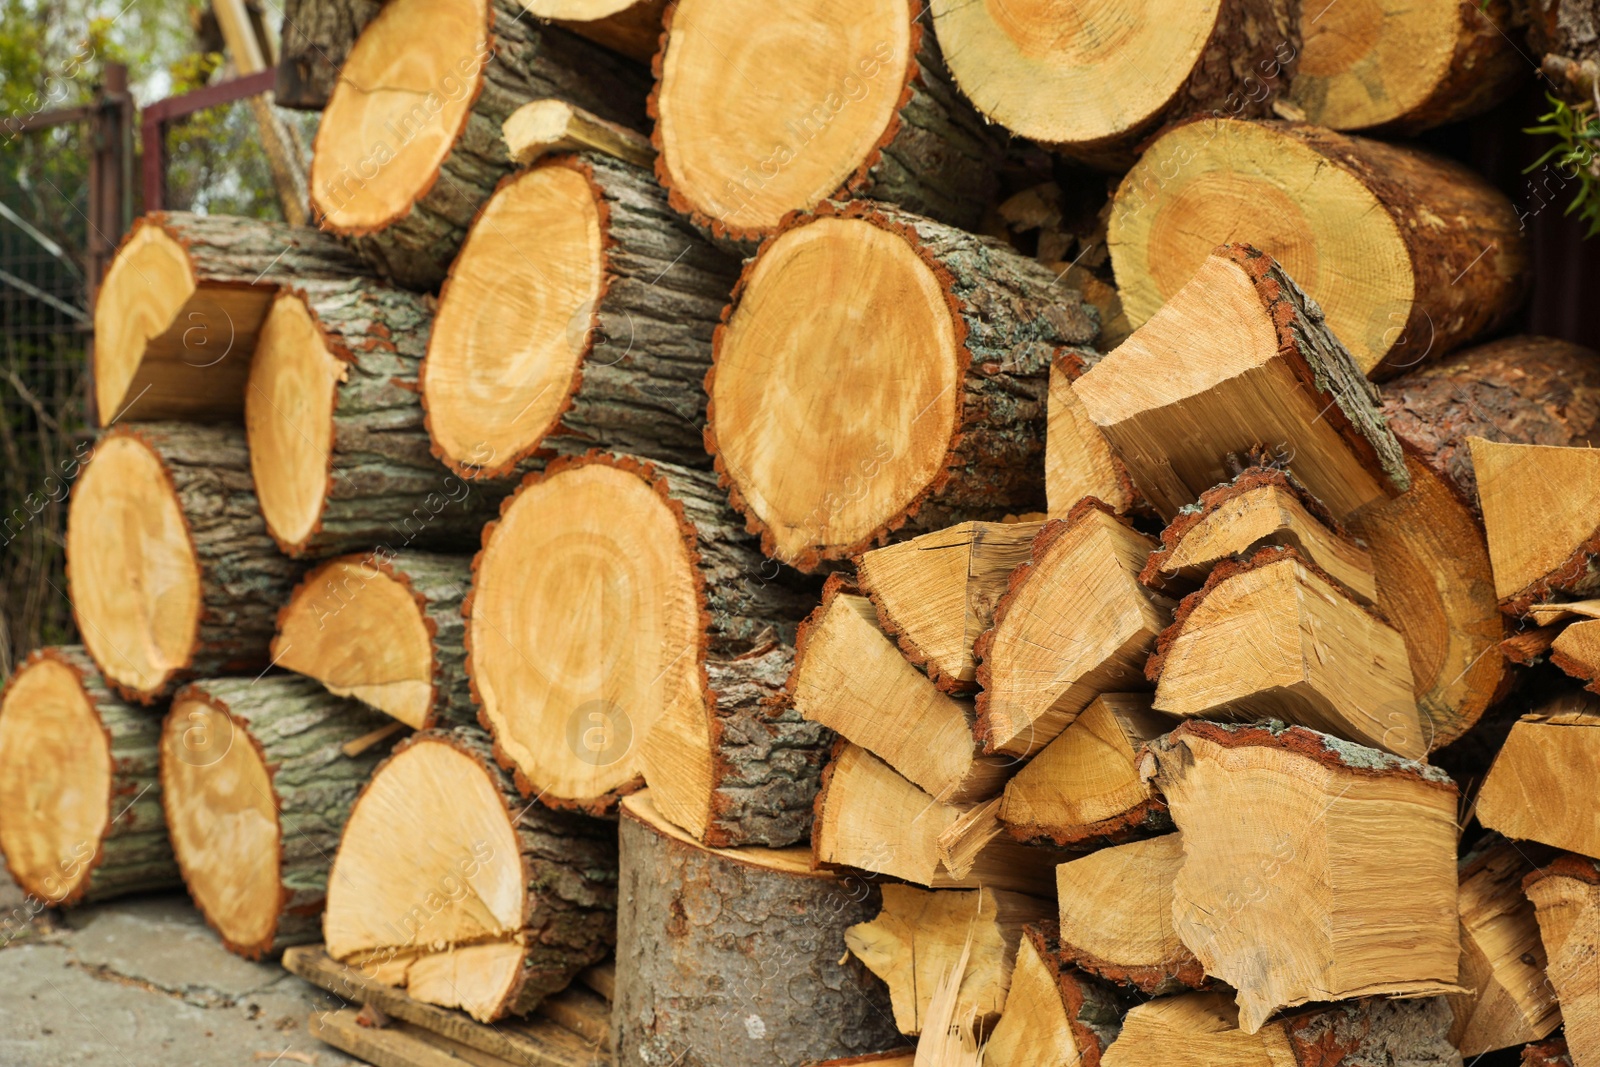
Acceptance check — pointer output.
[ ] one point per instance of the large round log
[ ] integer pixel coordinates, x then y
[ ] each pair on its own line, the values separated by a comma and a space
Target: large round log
177, 314
409, 145
880, 371
1094, 82
599, 331
737, 955
338, 447
257, 779
80, 804
170, 568
1435, 582
622, 624
315, 37
854, 102
385, 628
1439, 257
450, 884
628, 27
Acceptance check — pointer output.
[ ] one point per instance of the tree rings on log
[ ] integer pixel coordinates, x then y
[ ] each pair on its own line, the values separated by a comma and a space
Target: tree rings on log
1438, 259
385, 628
450, 884
171, 570
877, 370
80, 804
854, 102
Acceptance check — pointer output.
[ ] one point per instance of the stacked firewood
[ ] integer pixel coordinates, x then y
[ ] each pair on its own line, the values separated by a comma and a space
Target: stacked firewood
888, 584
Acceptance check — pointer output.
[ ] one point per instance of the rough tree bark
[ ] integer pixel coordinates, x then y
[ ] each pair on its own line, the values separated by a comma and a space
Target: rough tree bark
315, 37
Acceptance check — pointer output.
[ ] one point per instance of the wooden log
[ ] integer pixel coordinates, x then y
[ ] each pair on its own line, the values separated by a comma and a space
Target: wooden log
1084, 788
621, 624
858, 107
1502, 958
1116, 917
1529, 647
1397, 290
608, 338
1262, 811
1074, 623
315, 37
386, 629
171, 570
257, 783
1078, 460
1564, 36
80, 801
1261, 371
449, 883
627, 27
1531, 793
179, 310
1055, 1016
1547, 1054
838, 296
1434, 576
936, 593
698, 935
1538, 504
541, 128
917, 937
1404, 68
1094, 86
338, 450
1272, 637
1202, 1030
409, 146
1566, 899
1261, 506
870, 818
1576, 650
850, 677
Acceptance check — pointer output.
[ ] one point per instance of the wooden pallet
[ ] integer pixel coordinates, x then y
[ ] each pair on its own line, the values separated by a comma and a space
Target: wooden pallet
571, 1029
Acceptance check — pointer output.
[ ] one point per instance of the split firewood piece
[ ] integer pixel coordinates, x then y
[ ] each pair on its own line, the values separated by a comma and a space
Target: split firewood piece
832, 301
385, 628
177, 315
1396, 290
1202, 1030
1116, 916
627, 27
1566, 898
1547, 1053
1085, 787
850, 677
546, 127
80, 800
1502, 958
1576, 650
1405, 67
919, 934
609, 338
621, 623
1238, 361
1075, 623
1535, 790
1273, 637
1528, 647
1539, 505
1263, 505
863, 109
1434, 577
871, 818
339, 453
314, 38
170, 568
408, 148
936, 593
1264, 813
450, 884
1548, 614
1055, 1015
256, 790
699, 931
1096, 85
1078, 460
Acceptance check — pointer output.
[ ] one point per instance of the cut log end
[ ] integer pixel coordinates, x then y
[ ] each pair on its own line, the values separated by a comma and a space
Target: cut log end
1539, 504
629, 27
1054, 1013
146, 287
1528, 794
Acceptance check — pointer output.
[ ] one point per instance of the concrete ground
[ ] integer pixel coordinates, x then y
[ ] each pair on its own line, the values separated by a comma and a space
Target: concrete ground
143, 982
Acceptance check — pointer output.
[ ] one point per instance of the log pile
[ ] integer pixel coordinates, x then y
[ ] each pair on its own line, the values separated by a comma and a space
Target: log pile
885, 640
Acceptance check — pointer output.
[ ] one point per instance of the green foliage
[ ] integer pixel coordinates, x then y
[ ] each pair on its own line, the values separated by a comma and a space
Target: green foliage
1576, 153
